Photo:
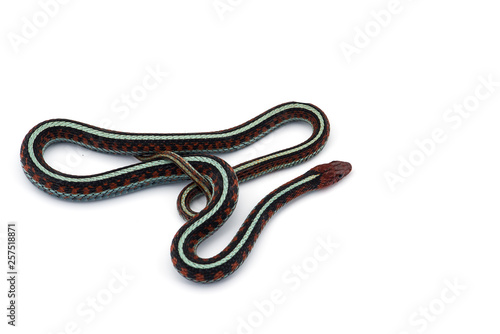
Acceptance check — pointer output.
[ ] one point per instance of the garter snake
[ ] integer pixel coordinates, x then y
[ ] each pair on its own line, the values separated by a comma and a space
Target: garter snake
166, 158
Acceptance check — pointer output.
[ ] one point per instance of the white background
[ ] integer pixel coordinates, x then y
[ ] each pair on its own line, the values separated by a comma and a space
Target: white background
398, 247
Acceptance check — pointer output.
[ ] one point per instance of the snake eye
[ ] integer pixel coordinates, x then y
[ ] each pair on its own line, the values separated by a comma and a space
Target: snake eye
341, 176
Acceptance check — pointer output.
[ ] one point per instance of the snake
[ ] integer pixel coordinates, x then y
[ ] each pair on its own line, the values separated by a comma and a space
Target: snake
173, 157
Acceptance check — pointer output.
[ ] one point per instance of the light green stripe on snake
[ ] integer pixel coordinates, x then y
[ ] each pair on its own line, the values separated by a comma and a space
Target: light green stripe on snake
225, 187
157, 137
255, 162
245, 237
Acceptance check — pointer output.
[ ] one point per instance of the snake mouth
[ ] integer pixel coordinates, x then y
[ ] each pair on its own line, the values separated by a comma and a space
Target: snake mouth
342, 169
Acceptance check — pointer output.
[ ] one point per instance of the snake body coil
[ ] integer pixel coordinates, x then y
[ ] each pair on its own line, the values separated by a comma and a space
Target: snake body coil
189, 156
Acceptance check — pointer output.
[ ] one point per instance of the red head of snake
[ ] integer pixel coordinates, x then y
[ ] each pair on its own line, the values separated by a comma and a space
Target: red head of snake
332, 172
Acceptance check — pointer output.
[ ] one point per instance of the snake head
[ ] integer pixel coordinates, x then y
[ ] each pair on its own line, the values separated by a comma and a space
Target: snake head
332, 172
